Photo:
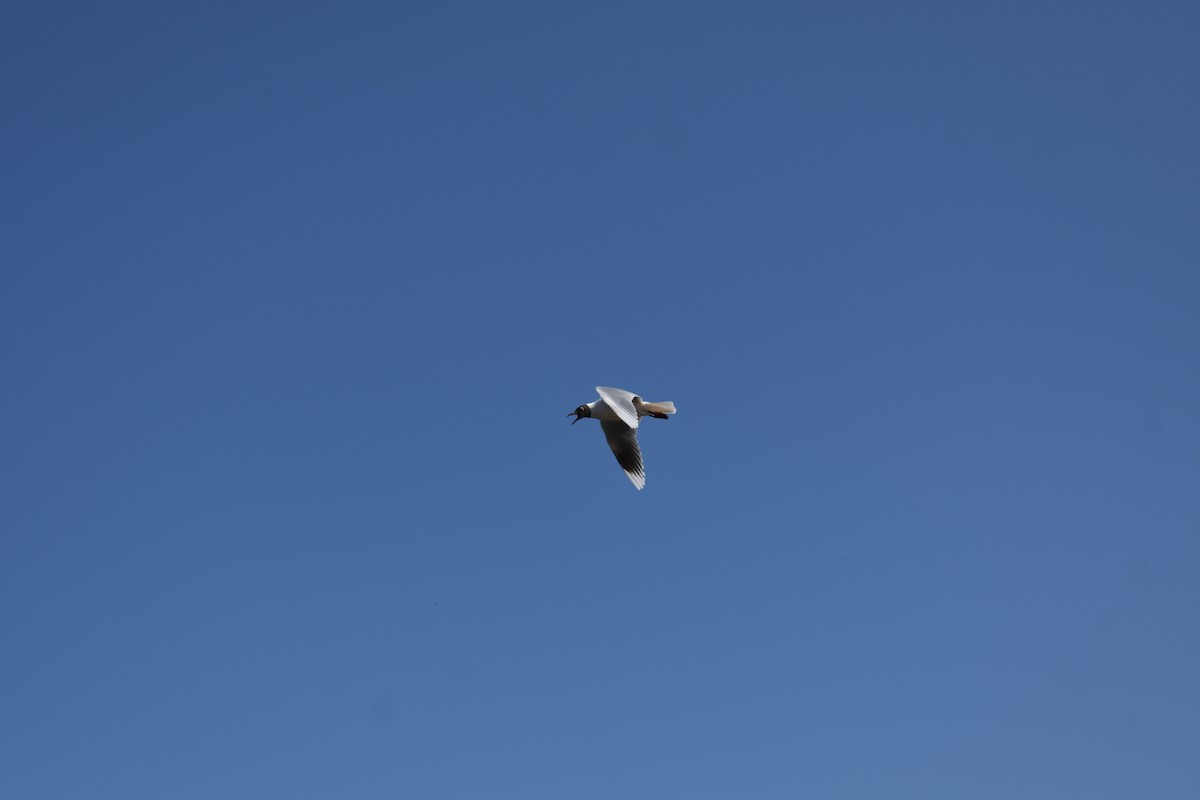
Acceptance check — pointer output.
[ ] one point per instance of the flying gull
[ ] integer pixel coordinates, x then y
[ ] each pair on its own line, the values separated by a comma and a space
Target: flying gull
619, 412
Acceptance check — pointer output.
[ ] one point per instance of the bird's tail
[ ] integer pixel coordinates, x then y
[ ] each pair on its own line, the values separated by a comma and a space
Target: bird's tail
659, 410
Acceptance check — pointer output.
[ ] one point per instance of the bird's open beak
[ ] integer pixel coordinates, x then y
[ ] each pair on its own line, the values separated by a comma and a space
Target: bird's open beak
572, 413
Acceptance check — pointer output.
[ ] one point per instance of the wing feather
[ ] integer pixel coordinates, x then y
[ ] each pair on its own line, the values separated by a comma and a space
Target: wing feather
623, 441
621, 402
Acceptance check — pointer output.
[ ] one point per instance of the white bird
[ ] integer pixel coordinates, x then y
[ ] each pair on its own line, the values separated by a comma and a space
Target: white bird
619, 412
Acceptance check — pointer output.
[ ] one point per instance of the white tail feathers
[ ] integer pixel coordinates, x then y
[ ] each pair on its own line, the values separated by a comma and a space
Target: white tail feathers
658, 408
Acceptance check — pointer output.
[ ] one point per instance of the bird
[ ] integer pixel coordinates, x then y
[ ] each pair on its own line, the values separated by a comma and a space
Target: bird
619, 412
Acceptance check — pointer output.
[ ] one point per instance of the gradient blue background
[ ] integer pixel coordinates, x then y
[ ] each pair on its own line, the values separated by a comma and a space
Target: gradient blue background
295, 299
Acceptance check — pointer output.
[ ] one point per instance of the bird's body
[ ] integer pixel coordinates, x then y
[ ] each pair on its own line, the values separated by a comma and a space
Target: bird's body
602, 411
619, 413
605, 413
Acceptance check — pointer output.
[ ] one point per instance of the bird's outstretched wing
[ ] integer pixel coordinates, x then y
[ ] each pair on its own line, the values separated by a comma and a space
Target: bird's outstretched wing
621, 402
623, 441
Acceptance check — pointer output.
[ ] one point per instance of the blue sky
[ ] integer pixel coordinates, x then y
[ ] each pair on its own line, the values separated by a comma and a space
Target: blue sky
294, 300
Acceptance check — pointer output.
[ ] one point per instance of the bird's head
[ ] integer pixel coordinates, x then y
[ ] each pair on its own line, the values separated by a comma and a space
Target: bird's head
580, 413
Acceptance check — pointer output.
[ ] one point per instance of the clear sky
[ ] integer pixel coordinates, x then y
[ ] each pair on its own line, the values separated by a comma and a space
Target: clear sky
295, 299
